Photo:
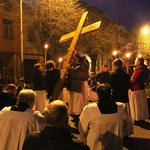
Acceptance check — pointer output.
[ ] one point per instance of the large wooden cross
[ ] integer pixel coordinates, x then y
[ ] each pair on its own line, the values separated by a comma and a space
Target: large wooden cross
75, 35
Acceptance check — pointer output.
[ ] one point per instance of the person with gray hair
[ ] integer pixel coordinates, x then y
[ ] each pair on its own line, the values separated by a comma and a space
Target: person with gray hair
19, 120
54, 136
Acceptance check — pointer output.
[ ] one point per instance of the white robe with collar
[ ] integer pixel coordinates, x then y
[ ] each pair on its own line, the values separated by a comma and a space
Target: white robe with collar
15, 125
102, 131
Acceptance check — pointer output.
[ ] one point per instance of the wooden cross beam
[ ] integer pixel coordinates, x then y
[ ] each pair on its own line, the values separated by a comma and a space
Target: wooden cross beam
75, 35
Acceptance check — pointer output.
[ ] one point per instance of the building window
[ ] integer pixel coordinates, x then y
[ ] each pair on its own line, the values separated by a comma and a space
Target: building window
31, 35
8, 30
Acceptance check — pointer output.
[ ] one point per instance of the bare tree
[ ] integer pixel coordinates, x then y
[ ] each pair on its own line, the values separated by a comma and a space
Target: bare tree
53, 18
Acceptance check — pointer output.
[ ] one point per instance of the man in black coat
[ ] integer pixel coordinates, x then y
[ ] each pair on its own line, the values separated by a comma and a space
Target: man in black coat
54, 136
51, 77
119, 82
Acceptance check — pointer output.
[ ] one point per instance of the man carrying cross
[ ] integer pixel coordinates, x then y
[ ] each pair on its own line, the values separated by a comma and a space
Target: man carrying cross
76, 73
69, 55
86, 66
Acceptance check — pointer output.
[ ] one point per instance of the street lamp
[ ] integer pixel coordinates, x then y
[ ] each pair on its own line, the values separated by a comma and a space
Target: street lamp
127, 62
144, 37
60, 60
45, 55
115, 53
21, 40
145, 30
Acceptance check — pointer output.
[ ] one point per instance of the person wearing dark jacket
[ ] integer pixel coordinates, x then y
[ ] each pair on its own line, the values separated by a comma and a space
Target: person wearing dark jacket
51, 78
54, 136
22, 85
119, 82
103, 76
120, 85
39, 87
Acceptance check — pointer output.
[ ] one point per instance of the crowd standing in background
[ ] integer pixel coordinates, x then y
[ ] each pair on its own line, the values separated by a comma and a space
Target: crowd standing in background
126, 100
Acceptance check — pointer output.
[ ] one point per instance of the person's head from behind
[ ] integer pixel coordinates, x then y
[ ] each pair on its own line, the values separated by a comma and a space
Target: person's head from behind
146, 62
81, 60
117, 63
92, 74
56, 114
27, 96
38, 67
21, 81
139, 61
104, 91
50, 65
11, 88
104, 68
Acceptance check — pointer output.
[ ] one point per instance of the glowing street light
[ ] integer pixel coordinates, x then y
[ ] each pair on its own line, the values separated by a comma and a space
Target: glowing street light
46, 46
139, 55
115, 53
145, 30
127, 61
128, 55
144, 37
60, 59
45, 55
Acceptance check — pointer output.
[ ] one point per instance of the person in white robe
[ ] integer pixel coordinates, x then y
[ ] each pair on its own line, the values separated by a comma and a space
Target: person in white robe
75, 75
101, 125
19, 120
138, 99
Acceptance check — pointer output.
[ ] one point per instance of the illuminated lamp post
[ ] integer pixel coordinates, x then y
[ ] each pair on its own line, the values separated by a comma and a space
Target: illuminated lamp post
127, 62
21, 40
144, 39
60, 60
115, 53
45, 55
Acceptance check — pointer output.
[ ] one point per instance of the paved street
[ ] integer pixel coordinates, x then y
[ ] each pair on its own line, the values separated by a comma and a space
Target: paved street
140, 140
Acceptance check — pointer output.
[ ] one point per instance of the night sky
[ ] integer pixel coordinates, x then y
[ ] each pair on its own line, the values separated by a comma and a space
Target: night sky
133, 14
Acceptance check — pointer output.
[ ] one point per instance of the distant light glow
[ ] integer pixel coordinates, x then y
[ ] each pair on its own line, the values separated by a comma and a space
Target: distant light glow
115, 53
145, 30
128, 55
139, 55
60, 59
46, 46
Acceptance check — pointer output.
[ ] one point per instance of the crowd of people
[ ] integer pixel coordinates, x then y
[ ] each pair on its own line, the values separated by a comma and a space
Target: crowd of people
119, 100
